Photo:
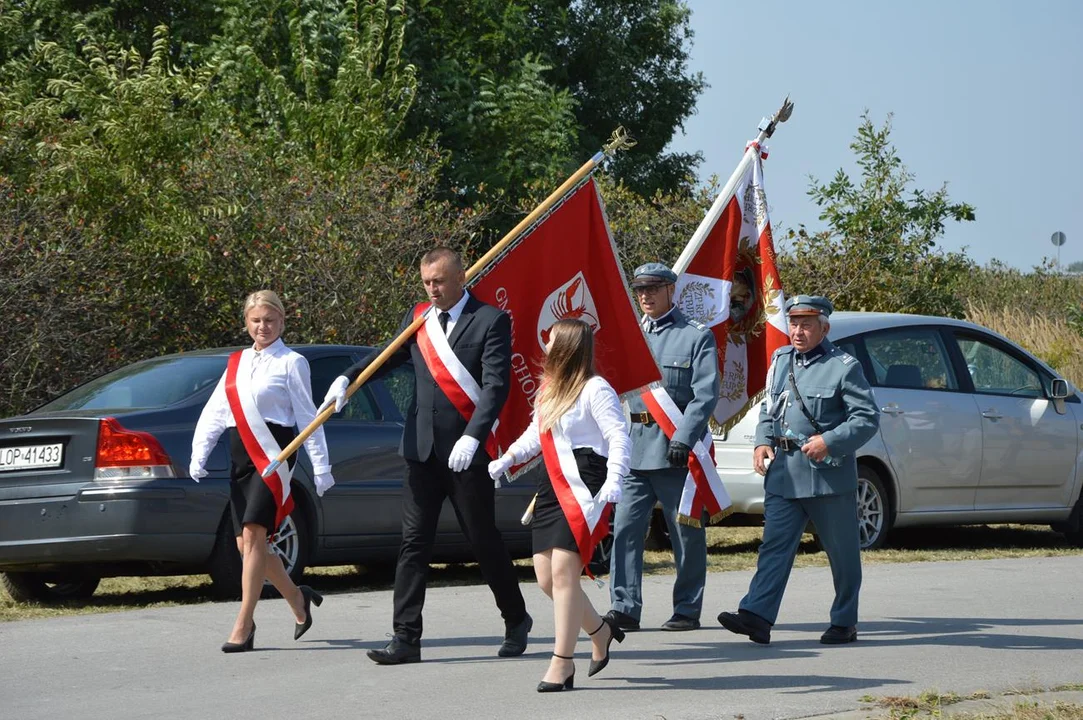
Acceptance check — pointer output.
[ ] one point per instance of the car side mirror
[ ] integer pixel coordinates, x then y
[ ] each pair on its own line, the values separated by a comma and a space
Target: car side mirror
1059, 390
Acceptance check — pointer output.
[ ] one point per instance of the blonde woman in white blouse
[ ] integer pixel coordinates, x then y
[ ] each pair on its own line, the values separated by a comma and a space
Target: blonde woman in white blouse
578, 426
268, 386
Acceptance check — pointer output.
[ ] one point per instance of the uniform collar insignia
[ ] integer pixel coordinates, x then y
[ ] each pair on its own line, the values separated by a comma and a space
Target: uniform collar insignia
657, 324
806, 359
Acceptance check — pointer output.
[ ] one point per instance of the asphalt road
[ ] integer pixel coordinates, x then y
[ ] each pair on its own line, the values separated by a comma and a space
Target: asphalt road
995, 625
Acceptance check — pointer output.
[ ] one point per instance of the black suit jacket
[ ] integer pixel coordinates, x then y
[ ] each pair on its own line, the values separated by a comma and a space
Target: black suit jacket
481, 339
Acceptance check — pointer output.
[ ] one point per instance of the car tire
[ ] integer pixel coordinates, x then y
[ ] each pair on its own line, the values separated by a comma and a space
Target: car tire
603, 551
658, 533
45, 588
224, 566
1073, 528
292, 543
874, 514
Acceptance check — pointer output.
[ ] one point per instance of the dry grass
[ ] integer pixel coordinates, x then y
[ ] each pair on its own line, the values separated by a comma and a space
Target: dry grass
1051, 339
933, 704
730, 548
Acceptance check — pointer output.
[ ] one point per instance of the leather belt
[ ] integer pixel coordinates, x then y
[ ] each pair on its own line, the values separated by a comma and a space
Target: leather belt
786, 444
643, 418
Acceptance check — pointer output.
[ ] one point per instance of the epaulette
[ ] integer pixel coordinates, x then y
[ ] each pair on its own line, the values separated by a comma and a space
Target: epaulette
696, 324
783, 350
846, 358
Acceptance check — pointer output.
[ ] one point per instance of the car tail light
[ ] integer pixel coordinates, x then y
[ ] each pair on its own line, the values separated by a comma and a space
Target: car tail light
129, 454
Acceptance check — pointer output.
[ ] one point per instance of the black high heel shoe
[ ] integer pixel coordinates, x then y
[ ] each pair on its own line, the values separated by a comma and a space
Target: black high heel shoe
615, 633
311, 598
568, 684
248, 644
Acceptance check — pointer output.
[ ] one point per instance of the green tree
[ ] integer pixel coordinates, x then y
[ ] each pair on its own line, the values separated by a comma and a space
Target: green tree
878, 251
606, 63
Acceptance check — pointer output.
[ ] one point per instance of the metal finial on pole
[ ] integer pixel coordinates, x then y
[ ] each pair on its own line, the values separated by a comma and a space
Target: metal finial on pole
620, 139
767, 128
781, 115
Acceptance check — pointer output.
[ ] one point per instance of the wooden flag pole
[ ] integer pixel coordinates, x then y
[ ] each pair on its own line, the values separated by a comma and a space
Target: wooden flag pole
767, 129
619, 140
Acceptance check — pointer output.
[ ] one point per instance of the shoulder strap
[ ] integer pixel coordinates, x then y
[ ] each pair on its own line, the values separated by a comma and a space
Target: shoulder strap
801, 401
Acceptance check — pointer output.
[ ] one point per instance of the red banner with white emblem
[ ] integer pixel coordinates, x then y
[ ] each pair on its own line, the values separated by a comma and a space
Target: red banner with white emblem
566, 267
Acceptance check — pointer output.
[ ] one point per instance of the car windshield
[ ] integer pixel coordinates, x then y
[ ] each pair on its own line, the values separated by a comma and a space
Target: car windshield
145, 385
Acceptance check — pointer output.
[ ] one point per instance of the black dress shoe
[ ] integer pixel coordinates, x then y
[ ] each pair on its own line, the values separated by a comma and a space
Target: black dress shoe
615, 633
515, 638
311, 598
680, 622
396, 652
568, 684
744, 622
838, 635
245, 646
622, 620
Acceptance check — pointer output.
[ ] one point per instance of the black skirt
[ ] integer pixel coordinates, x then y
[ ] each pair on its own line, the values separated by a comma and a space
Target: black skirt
550, 528
250, 499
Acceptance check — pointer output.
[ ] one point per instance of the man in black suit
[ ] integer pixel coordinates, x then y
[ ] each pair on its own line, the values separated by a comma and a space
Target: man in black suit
445, 452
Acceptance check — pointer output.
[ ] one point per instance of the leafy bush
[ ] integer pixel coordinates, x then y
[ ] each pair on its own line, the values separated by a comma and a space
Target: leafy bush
878, 251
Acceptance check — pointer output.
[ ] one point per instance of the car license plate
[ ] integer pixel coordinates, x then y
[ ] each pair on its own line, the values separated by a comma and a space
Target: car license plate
25, 457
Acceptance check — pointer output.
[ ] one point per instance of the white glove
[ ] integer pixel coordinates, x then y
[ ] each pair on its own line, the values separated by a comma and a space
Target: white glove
196, 471
462, 453
324, 481
611, 489
498, 467
335, 394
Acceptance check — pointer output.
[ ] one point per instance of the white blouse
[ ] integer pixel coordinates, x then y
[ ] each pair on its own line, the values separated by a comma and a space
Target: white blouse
595, 421
283, 388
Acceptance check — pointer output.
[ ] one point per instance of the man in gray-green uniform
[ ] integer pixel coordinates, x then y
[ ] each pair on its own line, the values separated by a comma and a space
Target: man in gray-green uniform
817, 412
687, 354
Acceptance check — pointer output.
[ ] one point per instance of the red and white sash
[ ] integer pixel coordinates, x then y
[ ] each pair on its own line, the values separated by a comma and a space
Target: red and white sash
449, 372
588, 517
703, 488
259, 443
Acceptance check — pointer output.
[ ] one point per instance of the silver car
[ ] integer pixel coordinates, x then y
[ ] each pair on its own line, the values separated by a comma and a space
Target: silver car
974, 429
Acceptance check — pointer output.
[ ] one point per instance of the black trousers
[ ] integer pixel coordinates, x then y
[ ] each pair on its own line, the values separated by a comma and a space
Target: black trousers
471, 495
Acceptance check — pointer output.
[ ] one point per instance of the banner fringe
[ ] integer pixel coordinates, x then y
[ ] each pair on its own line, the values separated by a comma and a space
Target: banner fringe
688, 521
712, 520
722, 428
527, 467
534, 226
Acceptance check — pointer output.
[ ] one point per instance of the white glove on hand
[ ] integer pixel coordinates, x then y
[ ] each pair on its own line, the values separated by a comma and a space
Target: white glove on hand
324, 482
335, 394
462, 453
612, 489
196, 471
498, 467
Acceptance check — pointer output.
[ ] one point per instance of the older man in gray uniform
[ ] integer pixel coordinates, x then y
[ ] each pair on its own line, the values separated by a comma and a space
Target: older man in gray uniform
687, 354
818, 411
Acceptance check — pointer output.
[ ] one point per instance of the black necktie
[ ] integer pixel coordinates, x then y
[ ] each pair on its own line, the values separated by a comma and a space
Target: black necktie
443, 318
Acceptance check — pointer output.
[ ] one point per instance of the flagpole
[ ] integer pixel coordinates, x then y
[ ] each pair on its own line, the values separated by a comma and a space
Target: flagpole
619, 140
767, 129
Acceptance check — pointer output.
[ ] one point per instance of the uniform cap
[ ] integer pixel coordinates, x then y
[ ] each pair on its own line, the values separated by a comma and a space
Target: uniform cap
653, 273
809, 305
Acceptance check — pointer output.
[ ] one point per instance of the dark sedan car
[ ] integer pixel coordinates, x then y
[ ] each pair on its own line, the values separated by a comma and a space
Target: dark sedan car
94, 484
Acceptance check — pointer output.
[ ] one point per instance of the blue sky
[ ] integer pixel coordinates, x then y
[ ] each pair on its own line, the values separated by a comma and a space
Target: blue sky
987, 96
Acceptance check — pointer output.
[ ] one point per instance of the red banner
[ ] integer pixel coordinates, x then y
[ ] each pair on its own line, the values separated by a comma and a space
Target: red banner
732, 286
566, 268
